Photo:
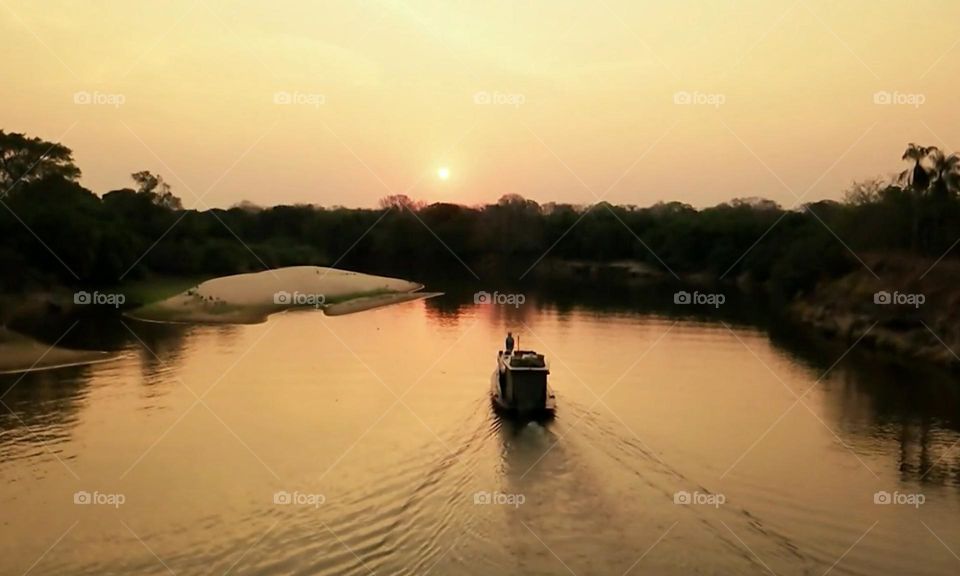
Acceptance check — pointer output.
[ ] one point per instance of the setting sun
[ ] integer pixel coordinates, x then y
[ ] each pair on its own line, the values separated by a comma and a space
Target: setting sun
443, 173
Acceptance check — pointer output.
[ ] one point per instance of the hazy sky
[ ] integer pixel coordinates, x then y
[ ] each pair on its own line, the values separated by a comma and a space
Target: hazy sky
555, 100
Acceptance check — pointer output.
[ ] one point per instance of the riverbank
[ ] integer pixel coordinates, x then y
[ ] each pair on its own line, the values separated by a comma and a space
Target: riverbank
20, 353
846, 308
911, 308
27, 320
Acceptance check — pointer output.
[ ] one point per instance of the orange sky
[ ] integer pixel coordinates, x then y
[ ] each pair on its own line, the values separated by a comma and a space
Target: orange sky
344, 102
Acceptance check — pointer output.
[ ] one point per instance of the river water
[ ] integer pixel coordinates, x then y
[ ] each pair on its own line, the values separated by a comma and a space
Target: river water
683, 444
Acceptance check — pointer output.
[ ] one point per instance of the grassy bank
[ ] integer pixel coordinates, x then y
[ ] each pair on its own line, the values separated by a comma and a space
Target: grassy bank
910, 306
146, 291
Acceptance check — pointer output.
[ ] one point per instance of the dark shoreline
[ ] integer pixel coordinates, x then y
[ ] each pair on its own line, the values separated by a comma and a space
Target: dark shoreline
839, 309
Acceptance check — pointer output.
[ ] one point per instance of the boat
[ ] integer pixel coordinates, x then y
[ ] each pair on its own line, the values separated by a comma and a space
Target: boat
519, 384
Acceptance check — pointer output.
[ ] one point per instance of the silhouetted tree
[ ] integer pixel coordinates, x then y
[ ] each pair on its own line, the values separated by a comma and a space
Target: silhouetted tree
917, 176
400, 202
945, 173
153, 187
24, 160
57, 232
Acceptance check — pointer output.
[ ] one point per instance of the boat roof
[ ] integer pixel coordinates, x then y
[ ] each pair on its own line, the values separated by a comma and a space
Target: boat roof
524, 360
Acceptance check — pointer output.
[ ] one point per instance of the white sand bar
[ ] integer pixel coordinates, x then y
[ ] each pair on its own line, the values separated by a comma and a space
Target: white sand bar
251, 298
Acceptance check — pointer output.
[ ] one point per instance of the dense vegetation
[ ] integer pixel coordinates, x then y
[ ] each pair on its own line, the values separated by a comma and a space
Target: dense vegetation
57, 232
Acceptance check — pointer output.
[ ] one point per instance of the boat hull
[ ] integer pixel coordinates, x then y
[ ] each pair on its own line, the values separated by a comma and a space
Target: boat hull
501, 405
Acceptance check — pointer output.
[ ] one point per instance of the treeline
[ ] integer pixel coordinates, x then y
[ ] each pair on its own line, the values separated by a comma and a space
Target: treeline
57, 232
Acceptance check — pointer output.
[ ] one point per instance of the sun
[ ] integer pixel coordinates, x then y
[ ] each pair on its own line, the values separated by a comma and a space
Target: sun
443, 173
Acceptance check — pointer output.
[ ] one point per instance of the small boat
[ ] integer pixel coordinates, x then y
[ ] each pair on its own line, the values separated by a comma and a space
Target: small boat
519, 384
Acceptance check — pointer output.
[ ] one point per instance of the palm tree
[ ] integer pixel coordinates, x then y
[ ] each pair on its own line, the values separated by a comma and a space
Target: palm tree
917, 177
945, 171
935, 180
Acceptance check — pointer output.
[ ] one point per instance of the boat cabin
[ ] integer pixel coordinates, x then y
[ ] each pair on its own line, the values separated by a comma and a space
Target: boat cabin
521, 381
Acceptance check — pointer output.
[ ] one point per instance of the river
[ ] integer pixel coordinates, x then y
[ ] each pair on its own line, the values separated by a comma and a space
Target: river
683, 444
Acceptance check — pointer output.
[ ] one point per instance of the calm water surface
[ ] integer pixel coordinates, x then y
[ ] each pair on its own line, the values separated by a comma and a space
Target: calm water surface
379, 427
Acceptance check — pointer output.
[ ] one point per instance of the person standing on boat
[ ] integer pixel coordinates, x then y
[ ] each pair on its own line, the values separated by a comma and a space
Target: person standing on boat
509, 343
